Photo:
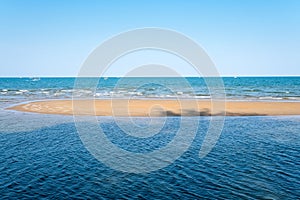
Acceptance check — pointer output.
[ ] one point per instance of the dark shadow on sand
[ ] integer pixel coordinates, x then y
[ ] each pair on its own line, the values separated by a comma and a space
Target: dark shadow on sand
206, 112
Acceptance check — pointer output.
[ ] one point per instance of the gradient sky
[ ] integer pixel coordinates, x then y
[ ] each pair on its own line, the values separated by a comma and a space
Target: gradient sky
53, 38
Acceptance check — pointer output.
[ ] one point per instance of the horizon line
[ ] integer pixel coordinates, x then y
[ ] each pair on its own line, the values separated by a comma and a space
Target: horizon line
223, 76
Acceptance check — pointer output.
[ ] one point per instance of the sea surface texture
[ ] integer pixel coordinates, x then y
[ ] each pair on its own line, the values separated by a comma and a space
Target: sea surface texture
42, 156
236, 88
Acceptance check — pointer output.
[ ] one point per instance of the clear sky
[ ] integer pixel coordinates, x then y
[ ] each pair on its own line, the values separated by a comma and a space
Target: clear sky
53, 38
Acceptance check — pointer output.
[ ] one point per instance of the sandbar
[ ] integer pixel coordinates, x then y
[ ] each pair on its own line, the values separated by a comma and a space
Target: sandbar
149, 107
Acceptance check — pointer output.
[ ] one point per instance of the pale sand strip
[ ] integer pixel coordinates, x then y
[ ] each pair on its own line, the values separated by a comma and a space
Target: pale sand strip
159, 108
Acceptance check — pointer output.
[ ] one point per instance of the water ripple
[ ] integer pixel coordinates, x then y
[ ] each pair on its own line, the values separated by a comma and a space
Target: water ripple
246, 163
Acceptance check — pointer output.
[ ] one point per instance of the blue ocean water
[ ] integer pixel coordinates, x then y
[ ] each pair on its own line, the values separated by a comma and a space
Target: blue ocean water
239, 88
42, 156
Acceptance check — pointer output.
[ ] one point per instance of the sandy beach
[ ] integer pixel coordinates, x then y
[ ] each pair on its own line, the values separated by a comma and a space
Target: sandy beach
123, 107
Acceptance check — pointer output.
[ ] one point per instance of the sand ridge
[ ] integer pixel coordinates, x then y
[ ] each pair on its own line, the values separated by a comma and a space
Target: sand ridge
147, 107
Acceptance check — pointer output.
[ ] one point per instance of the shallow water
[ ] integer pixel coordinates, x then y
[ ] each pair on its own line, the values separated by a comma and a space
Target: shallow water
42, 156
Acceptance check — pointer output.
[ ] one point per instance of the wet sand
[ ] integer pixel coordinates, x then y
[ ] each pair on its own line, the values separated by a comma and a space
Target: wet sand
144, 108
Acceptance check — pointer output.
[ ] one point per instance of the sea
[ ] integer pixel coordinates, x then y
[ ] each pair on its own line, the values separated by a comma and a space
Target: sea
42, 156
236, 88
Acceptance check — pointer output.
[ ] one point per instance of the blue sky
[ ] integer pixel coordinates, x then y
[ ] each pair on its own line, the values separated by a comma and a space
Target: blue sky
53, 38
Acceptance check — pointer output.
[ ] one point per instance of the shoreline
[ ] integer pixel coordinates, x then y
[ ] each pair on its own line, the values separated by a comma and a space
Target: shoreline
159, 107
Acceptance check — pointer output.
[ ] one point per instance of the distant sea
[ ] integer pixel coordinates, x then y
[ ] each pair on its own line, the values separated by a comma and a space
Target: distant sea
236, 88
42, 156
